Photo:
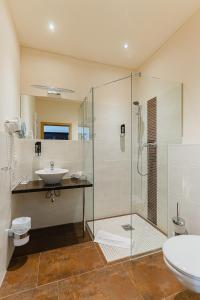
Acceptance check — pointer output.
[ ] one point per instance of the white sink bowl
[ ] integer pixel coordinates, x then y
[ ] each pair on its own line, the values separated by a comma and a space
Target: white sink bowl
52, 176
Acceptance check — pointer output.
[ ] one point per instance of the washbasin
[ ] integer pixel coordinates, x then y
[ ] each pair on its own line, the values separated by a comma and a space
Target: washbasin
52, 176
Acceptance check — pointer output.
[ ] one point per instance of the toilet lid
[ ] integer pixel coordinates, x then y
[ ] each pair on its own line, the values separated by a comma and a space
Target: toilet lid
183, 252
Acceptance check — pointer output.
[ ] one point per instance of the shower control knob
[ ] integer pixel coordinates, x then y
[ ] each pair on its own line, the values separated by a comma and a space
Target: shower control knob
149, 144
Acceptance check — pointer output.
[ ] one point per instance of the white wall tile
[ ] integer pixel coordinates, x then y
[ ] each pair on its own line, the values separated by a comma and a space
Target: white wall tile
184, 187
112, 153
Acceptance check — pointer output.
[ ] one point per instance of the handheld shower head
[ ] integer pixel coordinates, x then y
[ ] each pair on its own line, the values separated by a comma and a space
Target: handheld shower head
137, 103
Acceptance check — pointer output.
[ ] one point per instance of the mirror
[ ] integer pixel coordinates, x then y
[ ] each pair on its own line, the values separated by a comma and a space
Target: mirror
50, 118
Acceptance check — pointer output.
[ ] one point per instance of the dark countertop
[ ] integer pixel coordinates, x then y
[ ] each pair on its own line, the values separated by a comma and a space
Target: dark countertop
39, 186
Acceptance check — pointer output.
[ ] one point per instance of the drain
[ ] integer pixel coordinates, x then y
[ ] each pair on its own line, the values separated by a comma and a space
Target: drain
127, 227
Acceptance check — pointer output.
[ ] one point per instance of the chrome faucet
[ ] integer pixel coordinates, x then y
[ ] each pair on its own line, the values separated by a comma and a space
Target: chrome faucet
52, 165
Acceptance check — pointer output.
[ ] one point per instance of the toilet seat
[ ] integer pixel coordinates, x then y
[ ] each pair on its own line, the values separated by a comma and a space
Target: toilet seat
176, 270
183, 254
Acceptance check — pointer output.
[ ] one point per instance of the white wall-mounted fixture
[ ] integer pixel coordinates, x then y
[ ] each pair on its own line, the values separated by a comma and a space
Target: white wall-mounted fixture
122, 130
181, 255
52, 90
13, 125
52, 93
178, 223
19, 231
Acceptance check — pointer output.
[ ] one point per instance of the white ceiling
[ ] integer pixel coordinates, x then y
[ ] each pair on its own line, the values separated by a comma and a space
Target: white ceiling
97, 29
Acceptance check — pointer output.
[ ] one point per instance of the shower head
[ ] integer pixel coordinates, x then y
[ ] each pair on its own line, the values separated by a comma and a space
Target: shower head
136, 103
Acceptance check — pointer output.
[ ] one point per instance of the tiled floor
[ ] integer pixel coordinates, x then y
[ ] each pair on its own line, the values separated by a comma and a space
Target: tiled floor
80, 273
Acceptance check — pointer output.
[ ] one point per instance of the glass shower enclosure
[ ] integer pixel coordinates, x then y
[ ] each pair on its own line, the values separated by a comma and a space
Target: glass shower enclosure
128, 125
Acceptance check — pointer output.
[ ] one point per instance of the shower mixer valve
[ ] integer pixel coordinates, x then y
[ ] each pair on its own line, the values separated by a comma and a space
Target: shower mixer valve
149, 144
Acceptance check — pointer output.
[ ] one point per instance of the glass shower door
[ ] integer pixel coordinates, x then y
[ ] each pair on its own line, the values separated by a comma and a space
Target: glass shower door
112, 168
86, 140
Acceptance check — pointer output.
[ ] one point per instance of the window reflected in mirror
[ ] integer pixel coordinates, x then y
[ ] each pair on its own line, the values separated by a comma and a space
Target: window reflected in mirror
55, 131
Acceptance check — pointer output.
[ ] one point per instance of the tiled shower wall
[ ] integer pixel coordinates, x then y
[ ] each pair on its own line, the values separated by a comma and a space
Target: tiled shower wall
169, 114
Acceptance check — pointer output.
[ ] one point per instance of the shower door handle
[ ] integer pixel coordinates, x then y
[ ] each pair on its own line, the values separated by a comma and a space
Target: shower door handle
5, 169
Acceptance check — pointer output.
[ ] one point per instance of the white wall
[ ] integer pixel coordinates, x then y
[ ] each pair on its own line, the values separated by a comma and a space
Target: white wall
179, 60
9, 108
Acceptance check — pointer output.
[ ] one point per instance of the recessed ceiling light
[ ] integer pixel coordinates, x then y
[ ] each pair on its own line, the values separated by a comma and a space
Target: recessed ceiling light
51, 26
125, 45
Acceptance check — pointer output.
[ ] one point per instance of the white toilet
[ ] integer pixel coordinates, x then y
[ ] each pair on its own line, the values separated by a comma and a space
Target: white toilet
182, 256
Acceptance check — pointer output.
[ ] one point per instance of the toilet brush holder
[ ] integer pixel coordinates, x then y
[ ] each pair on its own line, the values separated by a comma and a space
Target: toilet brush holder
179, 224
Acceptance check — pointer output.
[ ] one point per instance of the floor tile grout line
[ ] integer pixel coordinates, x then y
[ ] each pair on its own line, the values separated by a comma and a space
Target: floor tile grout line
58, 292
132, 277
91, 271
18, 293
105, 265
28, 290
81, 274
38, 269
132, 281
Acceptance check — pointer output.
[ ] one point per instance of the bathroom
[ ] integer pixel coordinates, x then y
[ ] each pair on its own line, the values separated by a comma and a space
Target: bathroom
100, 144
